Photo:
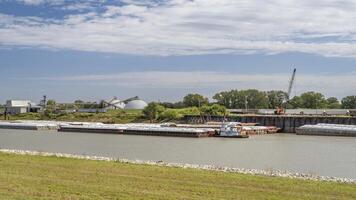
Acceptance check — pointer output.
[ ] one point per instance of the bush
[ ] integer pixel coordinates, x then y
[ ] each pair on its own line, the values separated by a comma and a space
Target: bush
152, 111
170, 115
214, 109
189, 111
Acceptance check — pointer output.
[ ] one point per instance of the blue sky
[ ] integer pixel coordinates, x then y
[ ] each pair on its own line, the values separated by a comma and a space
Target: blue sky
161, 50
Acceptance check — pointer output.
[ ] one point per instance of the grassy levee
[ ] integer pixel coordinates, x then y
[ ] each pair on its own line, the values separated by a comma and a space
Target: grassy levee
111, 116
38, 177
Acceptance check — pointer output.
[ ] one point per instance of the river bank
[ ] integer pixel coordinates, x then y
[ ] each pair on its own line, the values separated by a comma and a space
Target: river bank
40, 175
272, 173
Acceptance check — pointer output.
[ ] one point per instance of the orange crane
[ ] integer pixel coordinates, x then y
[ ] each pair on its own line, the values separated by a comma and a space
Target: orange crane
282, 110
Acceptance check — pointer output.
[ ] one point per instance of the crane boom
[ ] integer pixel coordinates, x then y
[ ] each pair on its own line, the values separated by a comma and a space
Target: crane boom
291, 82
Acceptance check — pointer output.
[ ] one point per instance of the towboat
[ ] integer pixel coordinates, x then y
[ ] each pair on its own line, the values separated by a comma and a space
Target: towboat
231, 130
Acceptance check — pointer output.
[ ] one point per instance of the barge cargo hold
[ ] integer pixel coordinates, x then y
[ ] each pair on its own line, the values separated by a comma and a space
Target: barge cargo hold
137, 129
165, 131
327, 130
28, 126
107, 129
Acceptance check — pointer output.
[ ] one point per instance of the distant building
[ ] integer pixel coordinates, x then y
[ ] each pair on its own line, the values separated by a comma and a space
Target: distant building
14, 107
115, 104
135, 105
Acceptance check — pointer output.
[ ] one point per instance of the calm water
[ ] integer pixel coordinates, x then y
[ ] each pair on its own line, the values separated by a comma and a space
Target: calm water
328, 156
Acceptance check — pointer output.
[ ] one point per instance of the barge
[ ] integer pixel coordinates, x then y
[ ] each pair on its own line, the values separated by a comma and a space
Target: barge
107, 129
170, 131
28, 126
327, 130
131, 129
229, 129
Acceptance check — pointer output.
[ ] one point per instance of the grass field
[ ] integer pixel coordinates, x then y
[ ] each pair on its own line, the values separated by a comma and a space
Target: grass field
111, 116
37, 177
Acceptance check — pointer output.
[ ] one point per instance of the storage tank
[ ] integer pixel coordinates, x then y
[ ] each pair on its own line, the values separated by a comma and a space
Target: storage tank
136, 105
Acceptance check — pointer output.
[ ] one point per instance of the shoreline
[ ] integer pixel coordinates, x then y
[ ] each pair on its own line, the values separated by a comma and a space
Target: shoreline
269, 173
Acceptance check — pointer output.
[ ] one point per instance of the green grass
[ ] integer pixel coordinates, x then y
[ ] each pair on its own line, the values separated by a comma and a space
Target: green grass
37, 177
112, 116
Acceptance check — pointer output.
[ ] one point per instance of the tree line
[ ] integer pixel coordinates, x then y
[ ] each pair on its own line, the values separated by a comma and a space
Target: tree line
255, 99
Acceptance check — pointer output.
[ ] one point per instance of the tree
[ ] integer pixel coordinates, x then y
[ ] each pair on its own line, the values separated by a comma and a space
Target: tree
51, 102
276, 98
295, 102
179, 104
78, 104
256, 99
152, 111
333, 103
195, 100
349, 102
313, 100
51, 105
224, 98
170, 115
241, 99
212, 110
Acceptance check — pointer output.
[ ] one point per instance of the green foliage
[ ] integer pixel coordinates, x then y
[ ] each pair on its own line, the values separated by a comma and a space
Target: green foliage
276, 98
112, 116
2, 109
252, 99
213, 110
176, 105
170, 115
195, 100
295, 102
189, 111
313, 100
333, 103
152, 111
349, 102
79, 104
51, 102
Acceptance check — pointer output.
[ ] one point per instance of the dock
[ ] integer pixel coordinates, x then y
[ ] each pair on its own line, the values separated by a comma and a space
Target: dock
286, 123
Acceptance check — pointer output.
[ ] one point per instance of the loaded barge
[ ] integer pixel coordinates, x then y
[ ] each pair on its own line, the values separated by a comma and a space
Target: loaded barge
230, 129
139, 130
28, 126
328, 130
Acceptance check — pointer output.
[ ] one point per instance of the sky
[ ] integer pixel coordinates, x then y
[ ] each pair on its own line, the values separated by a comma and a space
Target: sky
161, 50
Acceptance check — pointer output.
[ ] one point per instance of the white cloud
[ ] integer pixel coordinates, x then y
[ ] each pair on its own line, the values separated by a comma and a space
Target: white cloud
39, 2
187, 27
329, 84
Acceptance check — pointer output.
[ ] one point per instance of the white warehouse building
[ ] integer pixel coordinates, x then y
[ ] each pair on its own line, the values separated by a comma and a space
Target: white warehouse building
14, 107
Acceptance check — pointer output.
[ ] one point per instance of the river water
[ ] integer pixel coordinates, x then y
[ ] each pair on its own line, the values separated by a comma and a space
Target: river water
317, 155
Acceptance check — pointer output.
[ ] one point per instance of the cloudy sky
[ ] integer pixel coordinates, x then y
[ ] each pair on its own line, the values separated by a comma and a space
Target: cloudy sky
163, 49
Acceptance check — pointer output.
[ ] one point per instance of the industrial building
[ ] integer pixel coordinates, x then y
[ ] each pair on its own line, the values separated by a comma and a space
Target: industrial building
115, 103
134, 103
14, 107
